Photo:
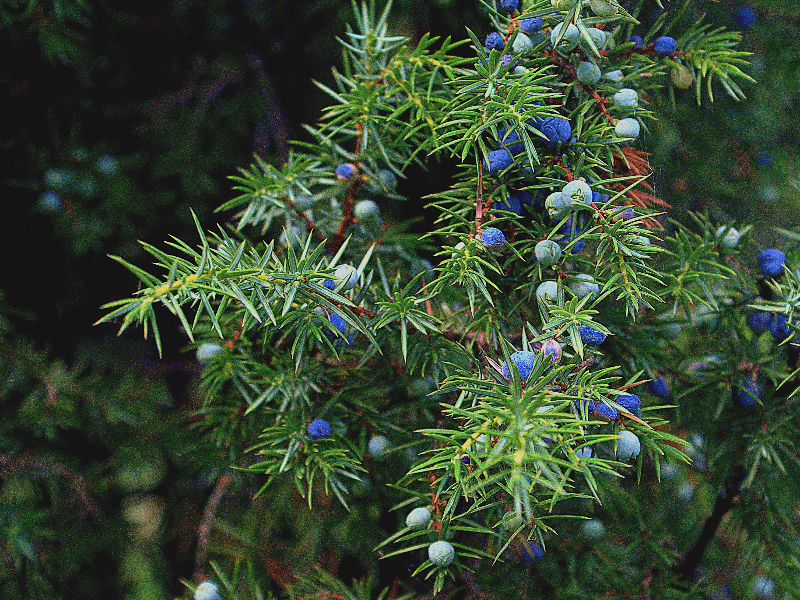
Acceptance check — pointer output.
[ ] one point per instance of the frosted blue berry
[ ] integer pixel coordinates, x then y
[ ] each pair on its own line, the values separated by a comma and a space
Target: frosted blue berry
615, 76
365, 210
510, 140
329, 283
658, 387
626, 97
207, 590
494, 41
749, 392
319, 429
569, 35
208, 350
770, 262
763, 586
531, 25
556, 129
522, 45
510, 204
345, 171
441, 553
106, 165
419, 518
627, 128
590, 336
628, 445
548, 291
49, 202
637, 40
779, 327
378, 446
498, 160
577, 193
338, 322
604, 412
629, 402
510, 5
588, 72
759, 320
524, 361
665, 45
552, 349
547, 252
493, 238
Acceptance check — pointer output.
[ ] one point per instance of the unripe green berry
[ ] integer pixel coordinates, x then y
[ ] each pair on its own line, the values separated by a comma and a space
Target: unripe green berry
588, 73
419, 518
603, 8
563, 4
626, 97
583, 285
441, 553
556, 207
627, 128
548, 290
348, 274
681, 77
366, 209
522, 45
730, 239
577, 194
569, 38
547, 252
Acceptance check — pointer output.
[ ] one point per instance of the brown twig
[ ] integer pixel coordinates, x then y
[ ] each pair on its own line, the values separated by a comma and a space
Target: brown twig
206, 523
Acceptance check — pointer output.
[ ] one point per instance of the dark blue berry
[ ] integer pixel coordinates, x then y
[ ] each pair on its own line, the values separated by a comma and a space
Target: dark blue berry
637, 40
507, 59
319, 429
531, 25
658, 387
749, 393
763, 160
629, 402
498, 160
524, 361
779, 327
511, 140
510, 5
665, 45
492, 237
511, 204
770, 262
531, 551
329, 283
338, 322
494, 41
345, 171
556, 129
605, 412
746, 16
759, 320
590, 336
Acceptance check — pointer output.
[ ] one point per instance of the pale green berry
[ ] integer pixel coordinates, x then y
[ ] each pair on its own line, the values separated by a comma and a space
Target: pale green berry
598, 37
681, 77
569, 38
548, 290
556, 206
547, 252
419, 518
614, 75
348, 274
730, 239
593, 529
626, 97
563, 4
365, 210
588, 73
208, 350
522, 45
577, 193
512, 521
208, 590
627, 128
378, 446
583, 284
441, 553
603, 8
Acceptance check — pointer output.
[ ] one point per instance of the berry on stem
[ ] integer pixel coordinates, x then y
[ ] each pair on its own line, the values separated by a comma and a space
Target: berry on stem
628, 445
531, 25
665, 45
419, 518
524, 361
770, 262
345, 171
590, 336
493, 238
494, 41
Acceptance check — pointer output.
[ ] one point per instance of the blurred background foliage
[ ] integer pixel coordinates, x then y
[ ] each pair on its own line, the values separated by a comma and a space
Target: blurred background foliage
122, 116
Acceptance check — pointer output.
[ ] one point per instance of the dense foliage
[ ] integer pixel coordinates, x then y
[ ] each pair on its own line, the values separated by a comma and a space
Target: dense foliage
558, 385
